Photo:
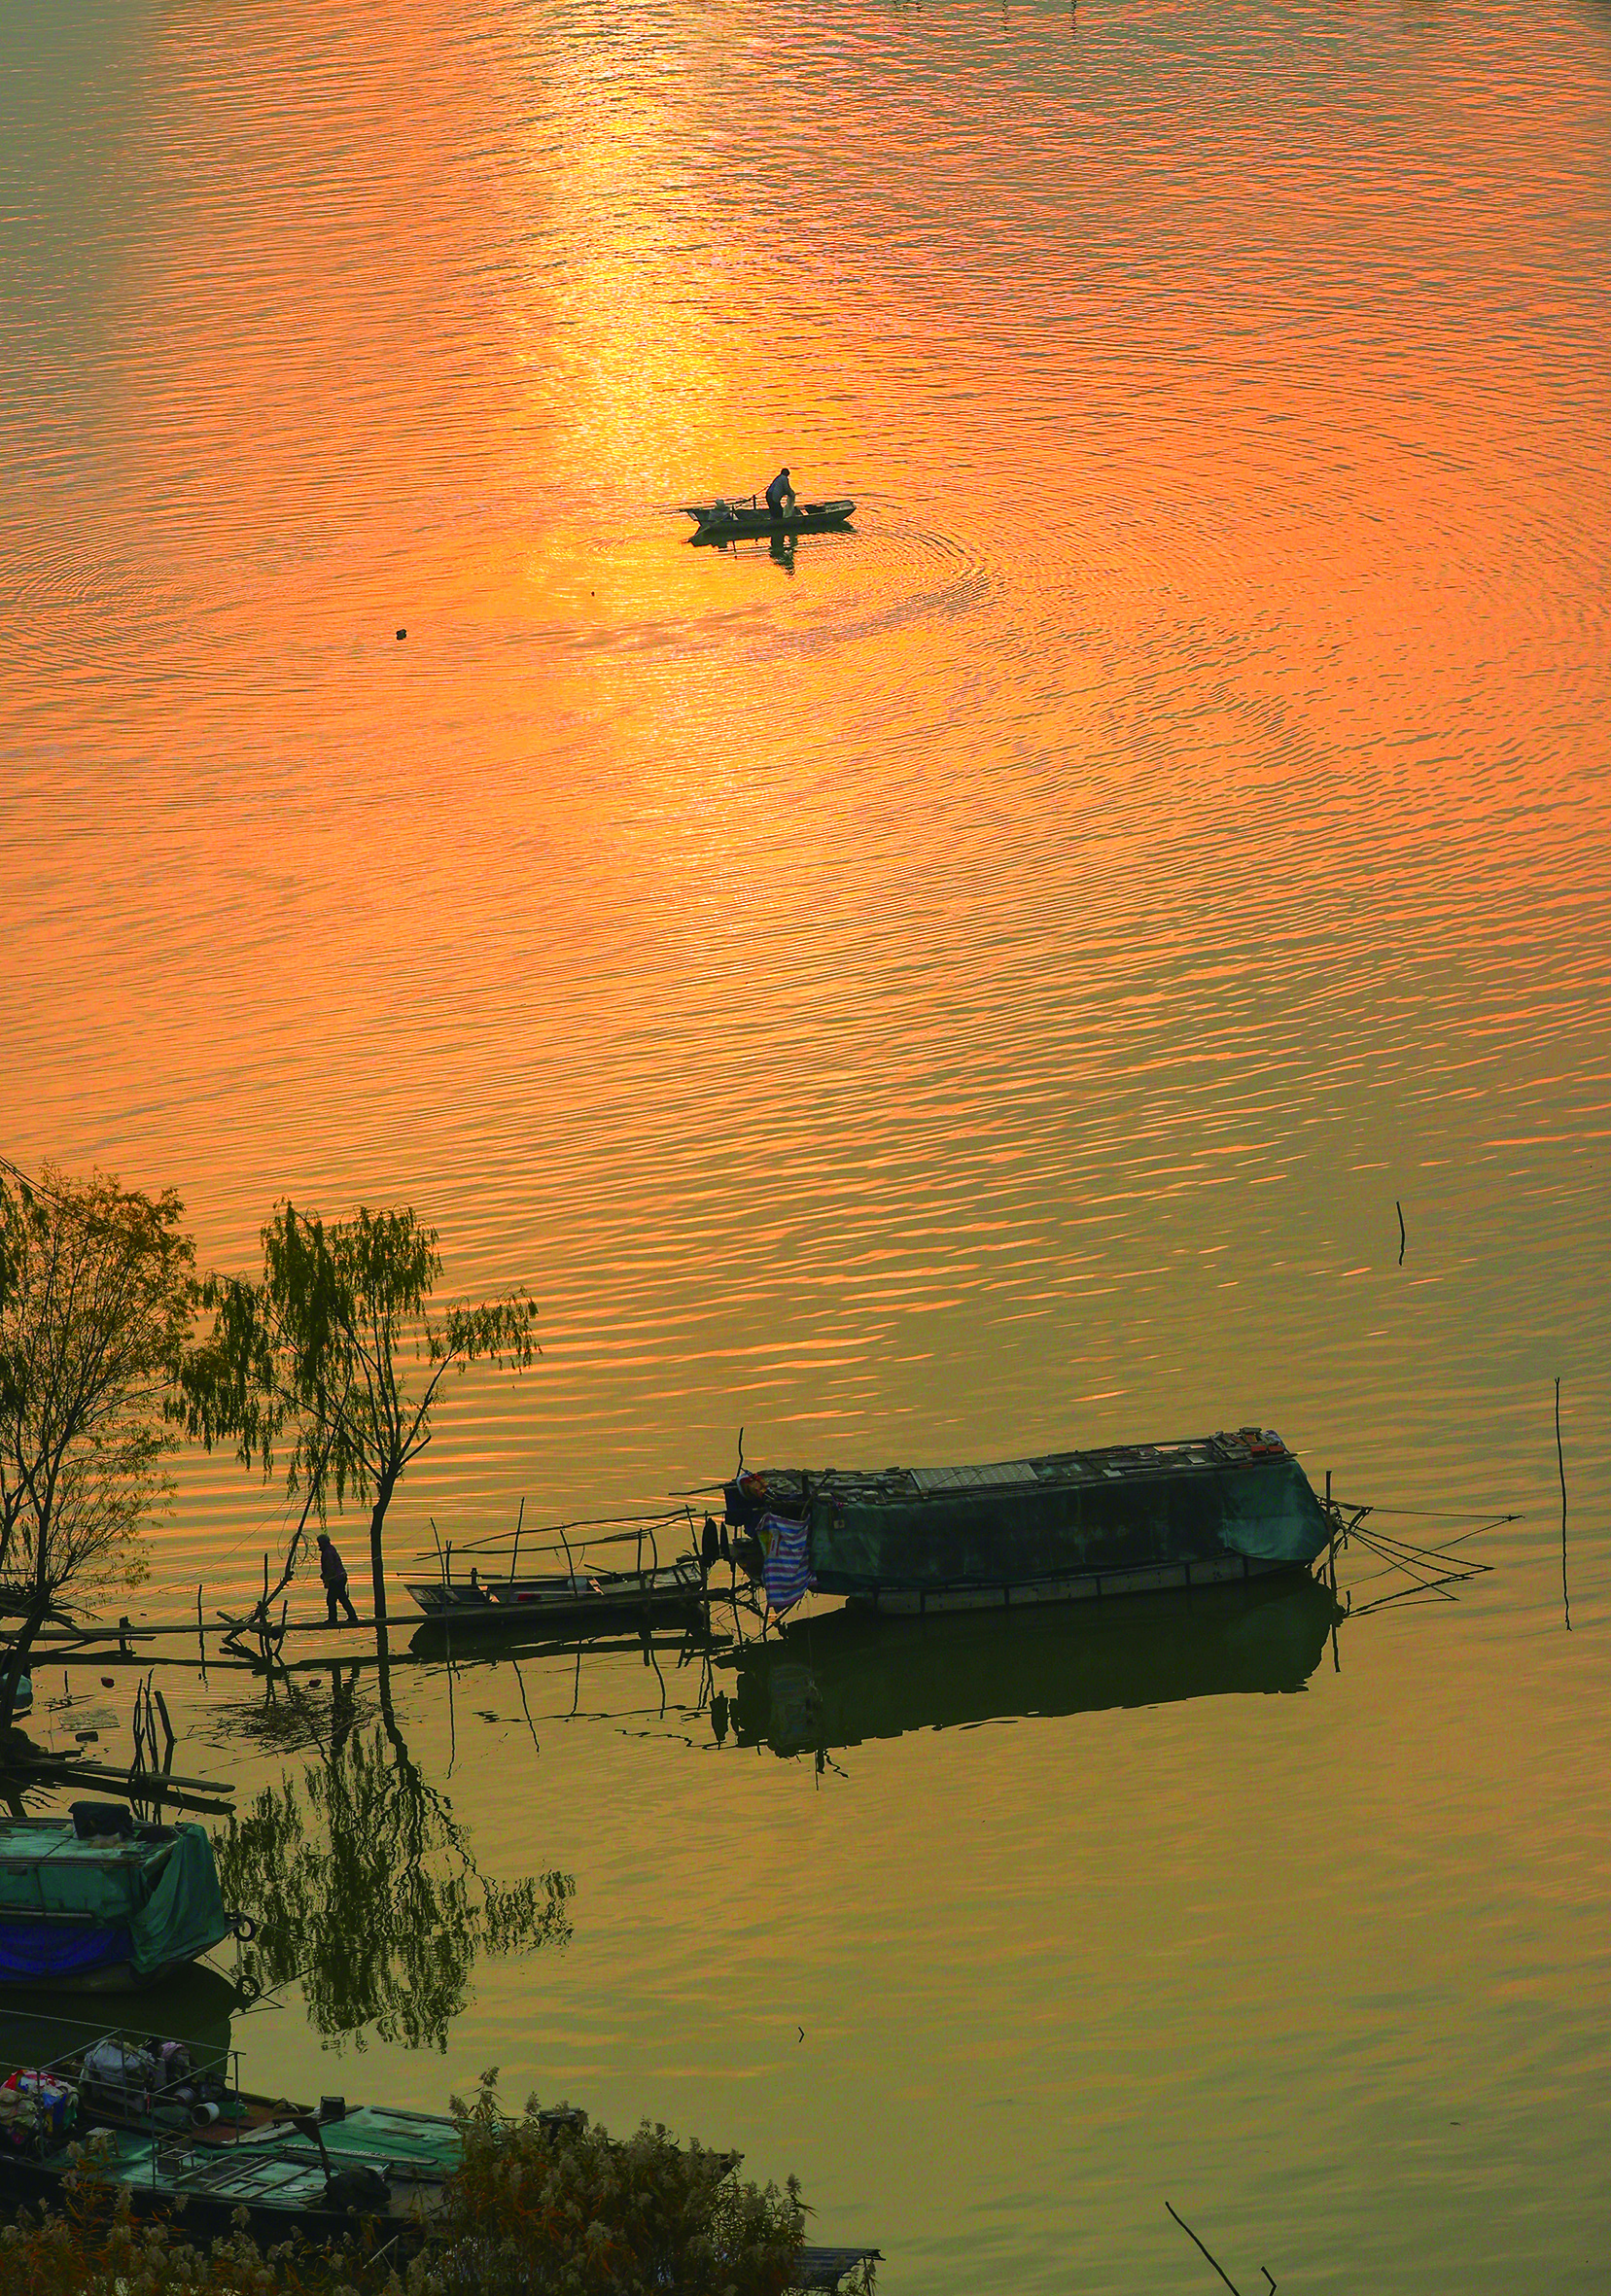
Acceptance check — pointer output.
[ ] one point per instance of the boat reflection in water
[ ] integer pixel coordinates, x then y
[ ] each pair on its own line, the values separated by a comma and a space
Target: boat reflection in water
840, 1680
195, 2005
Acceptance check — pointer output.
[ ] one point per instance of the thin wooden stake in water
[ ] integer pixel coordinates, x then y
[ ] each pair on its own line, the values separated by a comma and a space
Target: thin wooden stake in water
167, 1724
1331, 1541
1561, 1463
1399, 1208
1331, 1562
1219, 2268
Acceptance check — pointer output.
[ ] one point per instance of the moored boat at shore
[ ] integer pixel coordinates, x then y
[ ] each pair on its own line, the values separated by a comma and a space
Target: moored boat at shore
1060, 1527
179, 2133
177, 2137
97, 1902
557, 1602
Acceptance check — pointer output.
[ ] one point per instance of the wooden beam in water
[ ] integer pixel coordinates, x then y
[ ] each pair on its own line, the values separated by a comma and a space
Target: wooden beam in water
216, 1796
138, 1781
153, 1630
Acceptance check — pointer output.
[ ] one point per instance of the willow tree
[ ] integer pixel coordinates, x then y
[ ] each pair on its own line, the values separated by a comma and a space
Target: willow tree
310, 1361
97, 1297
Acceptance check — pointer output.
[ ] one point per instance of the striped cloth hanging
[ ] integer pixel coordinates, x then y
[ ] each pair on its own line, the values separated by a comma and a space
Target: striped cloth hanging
786, 1569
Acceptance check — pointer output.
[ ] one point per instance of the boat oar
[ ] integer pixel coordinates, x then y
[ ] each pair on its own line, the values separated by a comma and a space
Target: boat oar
307, 2124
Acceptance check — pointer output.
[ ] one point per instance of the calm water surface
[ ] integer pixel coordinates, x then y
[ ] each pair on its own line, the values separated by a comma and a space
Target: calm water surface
981, 982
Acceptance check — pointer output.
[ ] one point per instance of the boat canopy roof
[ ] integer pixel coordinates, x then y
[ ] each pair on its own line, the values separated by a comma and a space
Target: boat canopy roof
791, 1489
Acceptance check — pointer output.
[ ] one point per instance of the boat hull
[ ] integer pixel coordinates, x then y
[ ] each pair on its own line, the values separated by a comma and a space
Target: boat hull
559, 1609
117, 1974
201, 2216
717, 522
1161, 1577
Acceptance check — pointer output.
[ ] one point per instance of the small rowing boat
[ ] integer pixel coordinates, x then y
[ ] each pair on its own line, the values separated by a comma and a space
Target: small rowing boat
726, 522
559, 1602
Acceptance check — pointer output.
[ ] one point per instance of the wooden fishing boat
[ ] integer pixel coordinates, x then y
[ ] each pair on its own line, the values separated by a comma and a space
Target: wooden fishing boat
1061, 1527
179, 2132
561, 1603
97, 1902
729, 521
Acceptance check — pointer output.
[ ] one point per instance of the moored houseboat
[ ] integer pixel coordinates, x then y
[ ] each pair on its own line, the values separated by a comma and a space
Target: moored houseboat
177, 2139
1064, 1526
179, 2134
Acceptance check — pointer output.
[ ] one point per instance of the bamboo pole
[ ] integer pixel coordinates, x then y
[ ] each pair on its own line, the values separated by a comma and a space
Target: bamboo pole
1560, 1466
1213, 2260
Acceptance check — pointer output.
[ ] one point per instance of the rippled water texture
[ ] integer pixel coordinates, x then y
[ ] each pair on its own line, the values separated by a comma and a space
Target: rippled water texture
981, 983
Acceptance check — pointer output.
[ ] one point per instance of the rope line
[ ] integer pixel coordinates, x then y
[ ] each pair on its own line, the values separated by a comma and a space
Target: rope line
1476, 1514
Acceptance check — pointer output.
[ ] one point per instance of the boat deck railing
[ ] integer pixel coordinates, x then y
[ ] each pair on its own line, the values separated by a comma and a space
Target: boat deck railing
206, 2067
639, 1532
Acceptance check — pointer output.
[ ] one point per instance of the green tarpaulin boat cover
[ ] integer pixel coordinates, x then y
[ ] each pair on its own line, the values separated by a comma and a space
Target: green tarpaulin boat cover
1015, 1533
164, 1892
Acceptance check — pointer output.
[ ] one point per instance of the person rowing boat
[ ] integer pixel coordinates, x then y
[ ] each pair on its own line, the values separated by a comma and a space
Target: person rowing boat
776, 513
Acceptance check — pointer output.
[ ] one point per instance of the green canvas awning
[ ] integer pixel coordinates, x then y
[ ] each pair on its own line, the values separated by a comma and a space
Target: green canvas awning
164, 1892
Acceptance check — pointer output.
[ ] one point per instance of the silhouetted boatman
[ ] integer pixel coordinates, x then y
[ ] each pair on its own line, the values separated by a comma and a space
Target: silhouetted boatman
780, 492
333, 1571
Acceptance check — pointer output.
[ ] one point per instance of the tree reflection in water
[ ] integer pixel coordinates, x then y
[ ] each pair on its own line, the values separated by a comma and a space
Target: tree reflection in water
363, 1887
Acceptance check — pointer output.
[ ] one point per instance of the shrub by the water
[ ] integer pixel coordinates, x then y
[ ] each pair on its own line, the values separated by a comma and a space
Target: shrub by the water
86, 2253
545, 2210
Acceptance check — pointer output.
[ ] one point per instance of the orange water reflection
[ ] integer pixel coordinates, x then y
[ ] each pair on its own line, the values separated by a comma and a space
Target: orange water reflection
987, 985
